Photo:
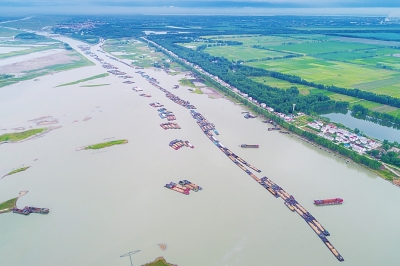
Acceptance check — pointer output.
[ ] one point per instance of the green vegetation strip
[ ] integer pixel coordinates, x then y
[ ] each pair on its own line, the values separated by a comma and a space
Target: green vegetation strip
106, 144
186, 82
83, 80
159, 262
94, 85
9, 204
20, 135
17, 170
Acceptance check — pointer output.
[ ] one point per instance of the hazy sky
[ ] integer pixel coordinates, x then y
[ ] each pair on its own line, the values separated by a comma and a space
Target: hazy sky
258, 7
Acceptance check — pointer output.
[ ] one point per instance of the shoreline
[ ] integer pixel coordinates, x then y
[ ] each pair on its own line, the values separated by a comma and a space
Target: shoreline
20, 194
159, 259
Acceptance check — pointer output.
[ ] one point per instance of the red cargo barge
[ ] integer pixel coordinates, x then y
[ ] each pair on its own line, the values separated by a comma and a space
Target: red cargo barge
334, 201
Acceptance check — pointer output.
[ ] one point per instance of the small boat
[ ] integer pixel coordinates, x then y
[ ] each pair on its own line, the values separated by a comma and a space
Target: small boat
334, 201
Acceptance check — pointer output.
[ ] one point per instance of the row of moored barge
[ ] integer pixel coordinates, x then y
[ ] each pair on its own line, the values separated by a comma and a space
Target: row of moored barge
268, 184
170, 125
177, 144
174, 97
28, 210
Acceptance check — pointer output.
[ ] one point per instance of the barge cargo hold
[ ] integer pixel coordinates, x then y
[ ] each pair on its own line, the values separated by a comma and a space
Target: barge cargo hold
334, 201
249, 145
37, 210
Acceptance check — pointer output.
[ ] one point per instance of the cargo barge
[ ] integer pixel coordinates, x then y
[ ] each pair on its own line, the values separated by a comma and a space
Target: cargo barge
27, 210
177, 144
156, 104
190, 185
249, 145
173, 186
334, 201
37, 210
170, 125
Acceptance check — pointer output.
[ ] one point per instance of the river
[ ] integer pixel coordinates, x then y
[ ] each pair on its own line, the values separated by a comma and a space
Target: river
106, 203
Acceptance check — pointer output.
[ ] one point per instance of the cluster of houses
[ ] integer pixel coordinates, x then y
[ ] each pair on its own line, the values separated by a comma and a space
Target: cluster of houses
351, 140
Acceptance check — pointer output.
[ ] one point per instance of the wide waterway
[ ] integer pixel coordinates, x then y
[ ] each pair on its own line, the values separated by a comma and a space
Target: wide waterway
369, 128
106, 203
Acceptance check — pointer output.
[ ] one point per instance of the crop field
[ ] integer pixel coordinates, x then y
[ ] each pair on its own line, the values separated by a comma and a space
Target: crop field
242, 53
347, 64
309, 48
283, 84
321, 37
328, 72
368, 86
389, 61
261, 40
137, 51
377, 35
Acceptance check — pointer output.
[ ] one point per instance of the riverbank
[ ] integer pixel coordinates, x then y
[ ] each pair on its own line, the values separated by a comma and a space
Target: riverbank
9, 205
160, 261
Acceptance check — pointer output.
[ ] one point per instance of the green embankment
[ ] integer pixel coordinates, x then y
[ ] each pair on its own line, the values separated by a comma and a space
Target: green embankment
159, 262
95, 85
106, 144
18, 170
83, 80
186, 82
20, 135
9, 204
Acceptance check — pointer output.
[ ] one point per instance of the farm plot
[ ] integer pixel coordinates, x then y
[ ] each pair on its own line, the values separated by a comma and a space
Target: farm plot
312, 48
390, 36
326, 72
262, 40
242, 53
390, 61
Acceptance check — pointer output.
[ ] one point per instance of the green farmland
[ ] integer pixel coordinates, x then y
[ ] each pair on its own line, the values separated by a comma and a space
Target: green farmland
308, 48
334, 73
260, 40
242, 53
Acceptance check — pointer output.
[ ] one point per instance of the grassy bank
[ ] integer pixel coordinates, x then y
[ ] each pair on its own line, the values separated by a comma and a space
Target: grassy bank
83, 80
20, 135
9, 204
106, 144
95, 85
17, 170
186, 82
159, 262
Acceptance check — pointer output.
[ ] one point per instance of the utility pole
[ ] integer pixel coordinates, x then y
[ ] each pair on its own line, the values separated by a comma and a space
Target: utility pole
130, 254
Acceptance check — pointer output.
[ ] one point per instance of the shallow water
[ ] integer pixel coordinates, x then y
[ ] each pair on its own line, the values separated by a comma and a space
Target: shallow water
106, 203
